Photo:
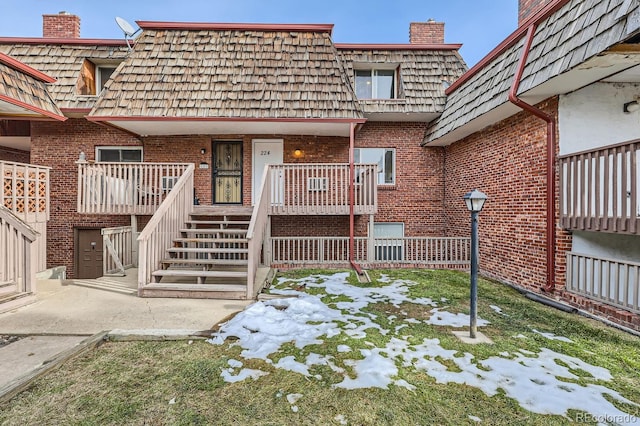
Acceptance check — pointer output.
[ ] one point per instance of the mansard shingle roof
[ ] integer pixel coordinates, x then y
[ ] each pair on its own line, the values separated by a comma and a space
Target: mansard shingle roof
20, 86
577, 31
63, 61
424, 74
264, 73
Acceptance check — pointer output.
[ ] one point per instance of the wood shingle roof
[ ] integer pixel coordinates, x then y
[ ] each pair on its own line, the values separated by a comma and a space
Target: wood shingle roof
424, 74
230, 73
63, 61
577, 31
26, 90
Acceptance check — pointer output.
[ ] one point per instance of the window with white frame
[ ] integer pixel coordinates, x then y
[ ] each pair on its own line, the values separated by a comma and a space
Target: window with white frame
376, 83
388, 237
383, 157
116, 154
103, 74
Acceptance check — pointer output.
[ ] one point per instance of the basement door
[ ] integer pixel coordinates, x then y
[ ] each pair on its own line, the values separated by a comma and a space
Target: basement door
265, 152
89, 252
227, 172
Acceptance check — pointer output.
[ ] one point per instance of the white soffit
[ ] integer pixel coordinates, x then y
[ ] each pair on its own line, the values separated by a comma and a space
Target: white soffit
187, 127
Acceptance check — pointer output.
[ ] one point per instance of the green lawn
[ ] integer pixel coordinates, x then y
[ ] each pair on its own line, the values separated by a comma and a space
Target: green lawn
182, 382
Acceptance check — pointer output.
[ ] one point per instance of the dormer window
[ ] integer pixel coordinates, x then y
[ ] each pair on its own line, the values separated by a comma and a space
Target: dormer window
376, 83
94, 76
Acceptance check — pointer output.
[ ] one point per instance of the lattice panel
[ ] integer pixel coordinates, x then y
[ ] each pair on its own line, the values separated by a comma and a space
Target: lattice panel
32, 196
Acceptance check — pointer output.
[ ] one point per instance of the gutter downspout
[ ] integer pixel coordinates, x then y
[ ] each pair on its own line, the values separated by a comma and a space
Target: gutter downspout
352, 177
551, 146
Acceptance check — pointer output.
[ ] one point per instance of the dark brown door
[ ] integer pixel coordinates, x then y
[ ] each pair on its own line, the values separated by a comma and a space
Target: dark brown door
89, 253
227, 172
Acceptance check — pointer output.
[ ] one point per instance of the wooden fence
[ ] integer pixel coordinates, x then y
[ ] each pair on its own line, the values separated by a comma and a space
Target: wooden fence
610, 281
118, 250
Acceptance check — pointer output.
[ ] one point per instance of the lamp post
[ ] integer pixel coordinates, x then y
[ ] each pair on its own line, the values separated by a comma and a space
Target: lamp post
475, 201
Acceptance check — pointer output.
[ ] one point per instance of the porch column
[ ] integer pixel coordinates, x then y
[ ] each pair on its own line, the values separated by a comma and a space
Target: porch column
371, 246
134, 240
351, 193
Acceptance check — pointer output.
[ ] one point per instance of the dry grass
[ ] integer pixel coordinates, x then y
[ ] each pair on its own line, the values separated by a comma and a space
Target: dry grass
177, 383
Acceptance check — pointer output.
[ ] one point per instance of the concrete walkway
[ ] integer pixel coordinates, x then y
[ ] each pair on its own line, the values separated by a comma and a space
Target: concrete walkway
66, 312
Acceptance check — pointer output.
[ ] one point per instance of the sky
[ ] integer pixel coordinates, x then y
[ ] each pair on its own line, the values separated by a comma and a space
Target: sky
478, 24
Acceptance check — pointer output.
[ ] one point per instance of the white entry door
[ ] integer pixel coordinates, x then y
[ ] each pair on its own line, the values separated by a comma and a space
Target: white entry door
265, 152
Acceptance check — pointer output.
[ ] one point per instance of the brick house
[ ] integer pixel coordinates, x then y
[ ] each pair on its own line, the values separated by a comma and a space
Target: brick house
370, 149
547, 125
195, 111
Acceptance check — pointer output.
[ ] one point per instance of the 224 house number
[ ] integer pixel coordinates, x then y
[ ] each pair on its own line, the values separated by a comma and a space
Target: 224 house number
265, 152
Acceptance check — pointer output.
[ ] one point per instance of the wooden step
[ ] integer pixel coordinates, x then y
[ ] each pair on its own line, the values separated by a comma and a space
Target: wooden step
219, 222
227, 231
221, 211
196, 291
204, 262
209, 250
7, 287
11, 301
193, 273
212, 240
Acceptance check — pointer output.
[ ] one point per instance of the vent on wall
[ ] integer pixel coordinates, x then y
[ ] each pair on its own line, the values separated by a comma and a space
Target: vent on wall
317, 184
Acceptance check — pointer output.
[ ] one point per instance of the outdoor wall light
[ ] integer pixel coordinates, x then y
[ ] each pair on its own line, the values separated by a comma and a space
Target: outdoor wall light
298, 153
203, 150
630, 107
474, 201
82, 158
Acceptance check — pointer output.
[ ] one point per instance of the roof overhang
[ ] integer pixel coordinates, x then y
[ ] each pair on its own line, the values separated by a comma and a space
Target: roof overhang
168, 126
15, 109
423, 117
604, 67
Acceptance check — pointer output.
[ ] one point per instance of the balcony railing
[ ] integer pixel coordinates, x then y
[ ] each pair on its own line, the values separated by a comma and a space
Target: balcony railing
125, 188
428, 251
614, 282
322, 189
599, 189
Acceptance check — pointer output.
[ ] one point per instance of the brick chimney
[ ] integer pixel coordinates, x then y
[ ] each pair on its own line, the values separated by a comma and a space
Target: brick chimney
430, 32
528, 8
62, 25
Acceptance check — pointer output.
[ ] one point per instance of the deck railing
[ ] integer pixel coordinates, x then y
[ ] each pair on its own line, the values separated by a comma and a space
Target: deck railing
599, 189
25, 190
319, 189
118, 250
432, 251
17, 262
257, 233
125, 188
610, 281
165, 226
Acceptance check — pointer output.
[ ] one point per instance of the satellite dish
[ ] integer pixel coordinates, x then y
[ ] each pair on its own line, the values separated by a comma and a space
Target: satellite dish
127, 29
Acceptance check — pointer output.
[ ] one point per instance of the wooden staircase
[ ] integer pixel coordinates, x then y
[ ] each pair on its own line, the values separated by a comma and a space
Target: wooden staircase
11, 299
209, 259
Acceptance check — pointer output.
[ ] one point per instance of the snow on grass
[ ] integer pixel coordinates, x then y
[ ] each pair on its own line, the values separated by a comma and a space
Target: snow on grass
453, 320
543, 382
552, 336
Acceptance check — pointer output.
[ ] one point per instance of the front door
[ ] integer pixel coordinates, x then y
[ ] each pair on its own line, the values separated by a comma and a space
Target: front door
227, 172
265, 152
89, 253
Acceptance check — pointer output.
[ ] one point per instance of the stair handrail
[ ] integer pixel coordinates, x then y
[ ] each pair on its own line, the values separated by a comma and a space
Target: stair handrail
25, 275
164, 226
256, 230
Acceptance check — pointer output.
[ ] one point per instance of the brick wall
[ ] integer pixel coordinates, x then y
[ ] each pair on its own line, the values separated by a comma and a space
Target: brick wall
14, 155
429, 32
528, 8
62, 25
58, 145
507, 161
